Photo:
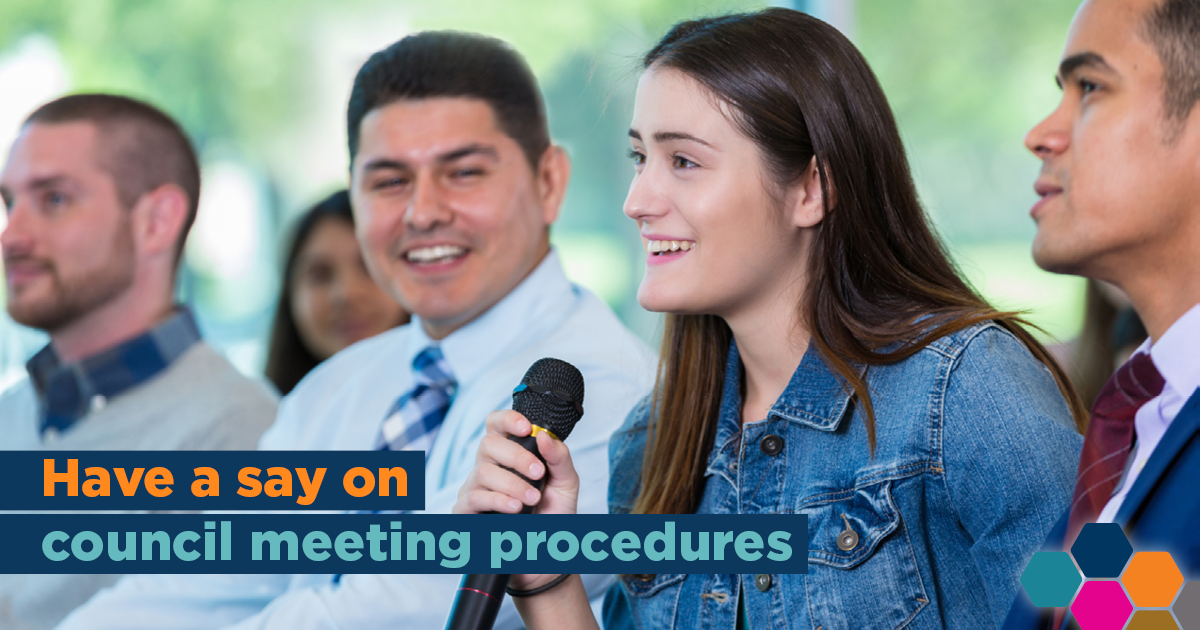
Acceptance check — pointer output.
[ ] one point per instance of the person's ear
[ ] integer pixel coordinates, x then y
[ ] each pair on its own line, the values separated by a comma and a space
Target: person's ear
807, 198
554, 172
158, 220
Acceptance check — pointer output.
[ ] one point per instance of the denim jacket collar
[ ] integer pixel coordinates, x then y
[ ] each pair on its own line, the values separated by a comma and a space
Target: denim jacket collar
814, 397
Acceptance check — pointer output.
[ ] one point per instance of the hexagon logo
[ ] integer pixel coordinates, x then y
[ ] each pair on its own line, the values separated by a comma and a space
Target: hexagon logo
1101, 550
1101, 605
1051, 579
1152, 579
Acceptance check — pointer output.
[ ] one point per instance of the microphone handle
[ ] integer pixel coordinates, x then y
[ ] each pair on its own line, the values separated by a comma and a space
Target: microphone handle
480, 595
477, 602
529, 443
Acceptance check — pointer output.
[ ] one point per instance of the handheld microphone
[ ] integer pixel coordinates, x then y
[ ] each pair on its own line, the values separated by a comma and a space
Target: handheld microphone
550, 396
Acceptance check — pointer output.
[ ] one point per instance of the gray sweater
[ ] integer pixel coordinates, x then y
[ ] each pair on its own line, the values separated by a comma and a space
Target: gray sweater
199, 402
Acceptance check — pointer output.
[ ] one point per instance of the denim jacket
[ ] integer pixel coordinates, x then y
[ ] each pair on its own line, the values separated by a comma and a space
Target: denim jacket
975, 460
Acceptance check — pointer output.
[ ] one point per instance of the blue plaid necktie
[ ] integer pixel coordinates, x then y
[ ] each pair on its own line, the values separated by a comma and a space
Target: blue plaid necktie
413, 421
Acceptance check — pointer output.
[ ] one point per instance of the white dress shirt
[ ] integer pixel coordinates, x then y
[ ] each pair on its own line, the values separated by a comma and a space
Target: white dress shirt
340, 406
1175, 357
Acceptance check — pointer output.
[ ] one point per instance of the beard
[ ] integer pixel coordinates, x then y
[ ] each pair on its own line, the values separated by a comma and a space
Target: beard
72, 297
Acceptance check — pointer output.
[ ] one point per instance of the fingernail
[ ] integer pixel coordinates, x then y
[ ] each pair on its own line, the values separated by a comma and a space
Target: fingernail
531, 496
514, 504
535, 470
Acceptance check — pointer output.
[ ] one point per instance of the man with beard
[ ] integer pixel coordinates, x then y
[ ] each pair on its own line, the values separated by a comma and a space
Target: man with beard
100, 192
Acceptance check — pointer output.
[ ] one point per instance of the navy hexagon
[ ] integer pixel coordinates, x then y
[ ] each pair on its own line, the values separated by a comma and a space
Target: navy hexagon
1101, 550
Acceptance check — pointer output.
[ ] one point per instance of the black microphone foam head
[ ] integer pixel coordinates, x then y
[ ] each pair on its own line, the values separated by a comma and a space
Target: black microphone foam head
551, 396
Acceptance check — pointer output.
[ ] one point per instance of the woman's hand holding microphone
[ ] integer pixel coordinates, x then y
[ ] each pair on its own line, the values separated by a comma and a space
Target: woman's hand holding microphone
493, 487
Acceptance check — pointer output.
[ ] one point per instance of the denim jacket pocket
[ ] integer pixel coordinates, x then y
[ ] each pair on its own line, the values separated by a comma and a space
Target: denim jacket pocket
653, 602
651, 587
862, 571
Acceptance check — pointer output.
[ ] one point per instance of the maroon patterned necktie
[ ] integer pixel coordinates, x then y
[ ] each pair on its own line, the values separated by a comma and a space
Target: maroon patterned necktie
1107, 444
1110, 438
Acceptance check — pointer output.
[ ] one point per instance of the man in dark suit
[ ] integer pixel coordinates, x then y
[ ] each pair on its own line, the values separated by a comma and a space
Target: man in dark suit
1120, 201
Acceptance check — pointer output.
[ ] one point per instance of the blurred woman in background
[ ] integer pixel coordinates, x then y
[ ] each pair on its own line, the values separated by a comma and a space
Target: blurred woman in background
328, 300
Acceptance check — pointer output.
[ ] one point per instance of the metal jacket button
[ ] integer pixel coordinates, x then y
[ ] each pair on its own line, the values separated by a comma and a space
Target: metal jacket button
762, 582
771, 445
848, 539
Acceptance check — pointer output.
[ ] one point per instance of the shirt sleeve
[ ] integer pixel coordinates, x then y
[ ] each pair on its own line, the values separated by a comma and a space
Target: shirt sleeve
176, 602
371, 601
1010, 451
361, 601
181, 602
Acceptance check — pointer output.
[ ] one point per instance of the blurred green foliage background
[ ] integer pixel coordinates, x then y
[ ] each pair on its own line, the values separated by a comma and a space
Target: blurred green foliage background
261, 87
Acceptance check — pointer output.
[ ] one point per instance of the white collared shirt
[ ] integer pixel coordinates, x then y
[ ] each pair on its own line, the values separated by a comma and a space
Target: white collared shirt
340, 406
1175, 357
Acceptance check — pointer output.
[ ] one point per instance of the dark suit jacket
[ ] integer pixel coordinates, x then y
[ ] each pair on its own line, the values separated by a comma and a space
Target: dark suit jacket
1160, 513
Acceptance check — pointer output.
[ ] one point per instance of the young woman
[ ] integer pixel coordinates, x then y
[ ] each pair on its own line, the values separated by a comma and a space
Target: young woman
328, 301
821, 356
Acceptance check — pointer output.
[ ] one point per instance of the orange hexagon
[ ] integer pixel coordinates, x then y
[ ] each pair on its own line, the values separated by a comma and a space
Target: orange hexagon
1152, 579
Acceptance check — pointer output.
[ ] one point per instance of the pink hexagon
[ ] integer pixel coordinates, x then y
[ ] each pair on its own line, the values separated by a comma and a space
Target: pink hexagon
1101, 605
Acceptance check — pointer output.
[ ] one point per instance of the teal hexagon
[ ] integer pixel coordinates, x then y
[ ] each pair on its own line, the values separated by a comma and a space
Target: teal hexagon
1051, 579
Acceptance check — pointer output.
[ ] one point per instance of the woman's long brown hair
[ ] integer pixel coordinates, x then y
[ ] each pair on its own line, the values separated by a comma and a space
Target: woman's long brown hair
879, 277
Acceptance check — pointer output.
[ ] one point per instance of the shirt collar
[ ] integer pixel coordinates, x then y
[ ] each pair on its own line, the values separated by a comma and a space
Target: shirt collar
68, 392
1174, 353
542, 299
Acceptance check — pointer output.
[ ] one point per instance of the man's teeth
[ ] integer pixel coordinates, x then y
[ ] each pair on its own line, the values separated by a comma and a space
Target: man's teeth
435, 253
657, 247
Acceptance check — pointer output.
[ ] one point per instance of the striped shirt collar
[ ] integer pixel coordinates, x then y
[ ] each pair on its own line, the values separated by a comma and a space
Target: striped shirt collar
68, 392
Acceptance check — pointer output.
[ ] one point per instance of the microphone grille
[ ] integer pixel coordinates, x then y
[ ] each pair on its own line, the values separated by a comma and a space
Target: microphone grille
550, 410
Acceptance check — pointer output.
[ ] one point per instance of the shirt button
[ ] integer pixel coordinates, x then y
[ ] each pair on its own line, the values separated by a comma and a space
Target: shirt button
98, 402
50, 435
771, 445
762, 582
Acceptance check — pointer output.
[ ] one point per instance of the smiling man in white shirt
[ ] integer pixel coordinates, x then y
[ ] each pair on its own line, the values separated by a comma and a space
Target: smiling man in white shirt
454, 184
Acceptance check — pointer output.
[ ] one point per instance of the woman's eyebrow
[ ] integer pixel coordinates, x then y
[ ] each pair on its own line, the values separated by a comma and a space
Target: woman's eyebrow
665, 136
